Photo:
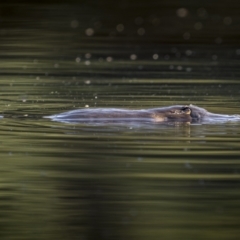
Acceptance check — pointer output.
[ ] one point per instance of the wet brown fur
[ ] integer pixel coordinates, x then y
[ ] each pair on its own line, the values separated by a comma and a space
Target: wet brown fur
173, 113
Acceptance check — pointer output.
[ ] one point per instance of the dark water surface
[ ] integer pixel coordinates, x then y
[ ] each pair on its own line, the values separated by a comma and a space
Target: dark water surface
117, 181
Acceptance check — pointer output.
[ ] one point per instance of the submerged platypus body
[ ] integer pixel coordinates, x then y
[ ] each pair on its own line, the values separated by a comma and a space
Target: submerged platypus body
176, 113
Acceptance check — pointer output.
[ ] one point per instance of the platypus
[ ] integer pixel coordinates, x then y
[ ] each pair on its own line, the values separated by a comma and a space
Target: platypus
175, 113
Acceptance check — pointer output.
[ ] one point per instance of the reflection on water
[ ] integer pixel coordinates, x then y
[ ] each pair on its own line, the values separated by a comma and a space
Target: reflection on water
74, 180
81, 181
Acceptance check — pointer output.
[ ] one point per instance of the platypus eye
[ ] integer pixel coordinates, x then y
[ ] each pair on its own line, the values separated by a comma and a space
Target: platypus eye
186, 110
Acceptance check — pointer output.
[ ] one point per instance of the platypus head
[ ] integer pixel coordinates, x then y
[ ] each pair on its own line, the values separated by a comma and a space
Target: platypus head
195, 112
175, 113
187, 113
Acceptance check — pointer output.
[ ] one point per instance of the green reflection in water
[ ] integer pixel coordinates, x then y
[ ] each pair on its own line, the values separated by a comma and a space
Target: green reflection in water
63, 180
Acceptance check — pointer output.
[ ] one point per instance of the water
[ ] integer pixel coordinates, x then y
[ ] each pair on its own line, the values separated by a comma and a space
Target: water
117, 181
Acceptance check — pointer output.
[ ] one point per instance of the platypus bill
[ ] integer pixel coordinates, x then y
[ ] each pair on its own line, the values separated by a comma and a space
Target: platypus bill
170, 114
